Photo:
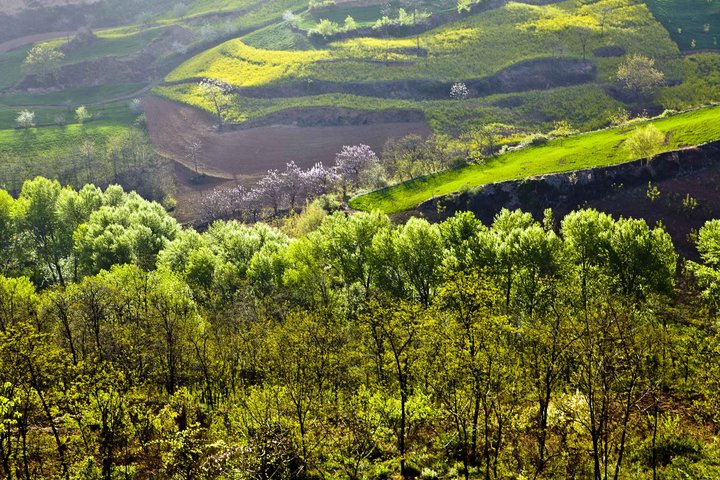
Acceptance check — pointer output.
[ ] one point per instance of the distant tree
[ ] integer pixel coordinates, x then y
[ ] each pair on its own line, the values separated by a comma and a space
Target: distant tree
320, 180
25, 119
619, 117
584, 34
638, 75
43, 61
645, 142
459, 91
325, 28
466, 5
82, 114
483, 142
271, 190
219, 95
193, 149
294, 183
350, 24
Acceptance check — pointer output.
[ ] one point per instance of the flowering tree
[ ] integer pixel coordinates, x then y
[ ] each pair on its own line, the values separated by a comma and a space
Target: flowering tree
25, 119
350, 163
219, 95
271, 190
320, 180
459, 91
293, 183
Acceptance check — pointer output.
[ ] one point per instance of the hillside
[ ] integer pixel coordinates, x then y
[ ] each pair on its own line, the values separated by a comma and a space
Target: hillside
359, 239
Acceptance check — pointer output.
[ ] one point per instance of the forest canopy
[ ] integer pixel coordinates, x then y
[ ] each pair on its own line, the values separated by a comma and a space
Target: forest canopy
134, 348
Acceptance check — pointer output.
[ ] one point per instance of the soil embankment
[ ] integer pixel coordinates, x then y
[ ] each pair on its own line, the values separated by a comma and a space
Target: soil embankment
620, 190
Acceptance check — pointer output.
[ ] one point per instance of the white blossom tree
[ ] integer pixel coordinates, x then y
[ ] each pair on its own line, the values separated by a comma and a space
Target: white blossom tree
350, 163
25, 119
320, 180
293, 183
219, 95
271, 190
459, 91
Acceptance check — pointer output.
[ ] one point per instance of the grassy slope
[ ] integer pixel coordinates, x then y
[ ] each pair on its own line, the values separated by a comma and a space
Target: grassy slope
690, 21
11, 67
562, 155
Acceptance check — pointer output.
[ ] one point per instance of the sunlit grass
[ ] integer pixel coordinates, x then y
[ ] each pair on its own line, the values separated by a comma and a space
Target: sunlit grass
589, 150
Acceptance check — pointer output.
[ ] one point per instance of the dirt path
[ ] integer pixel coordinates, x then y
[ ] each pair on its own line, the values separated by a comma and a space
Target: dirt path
247, 154
30, 39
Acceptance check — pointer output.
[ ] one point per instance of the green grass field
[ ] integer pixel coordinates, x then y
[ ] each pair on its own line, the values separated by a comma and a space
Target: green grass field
72, 96
589, 150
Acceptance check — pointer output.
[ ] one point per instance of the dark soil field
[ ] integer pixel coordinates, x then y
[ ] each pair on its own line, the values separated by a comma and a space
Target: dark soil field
250, 153
245, 155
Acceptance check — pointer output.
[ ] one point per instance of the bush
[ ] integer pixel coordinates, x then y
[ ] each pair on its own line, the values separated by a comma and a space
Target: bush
645, 142
325, 28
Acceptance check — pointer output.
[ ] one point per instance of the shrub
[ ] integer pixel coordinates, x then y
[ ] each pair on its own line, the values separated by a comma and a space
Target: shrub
645, 142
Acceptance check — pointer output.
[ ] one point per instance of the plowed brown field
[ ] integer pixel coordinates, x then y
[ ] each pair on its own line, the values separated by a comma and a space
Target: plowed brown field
250, 153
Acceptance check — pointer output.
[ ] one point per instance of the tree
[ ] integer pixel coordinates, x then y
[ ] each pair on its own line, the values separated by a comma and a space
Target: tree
395, 336
459, 91
707, 273
82, 114
350, 163
193, 149
645, 142
8, 233
294, 183
219, 95
39, 221
472, 364
43, 61
638, 75
271, 189
133, 231
25, 119
320, 180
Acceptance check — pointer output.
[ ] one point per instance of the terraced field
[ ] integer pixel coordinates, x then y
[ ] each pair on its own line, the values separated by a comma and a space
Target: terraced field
477, 46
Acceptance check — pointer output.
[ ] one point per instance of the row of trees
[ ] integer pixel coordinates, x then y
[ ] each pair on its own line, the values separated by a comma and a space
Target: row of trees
361, 349
123, 157
356, 167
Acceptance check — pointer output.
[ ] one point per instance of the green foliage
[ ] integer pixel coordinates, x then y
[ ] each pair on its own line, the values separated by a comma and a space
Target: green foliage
354, 349
644, 142
638, 75
43, 61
